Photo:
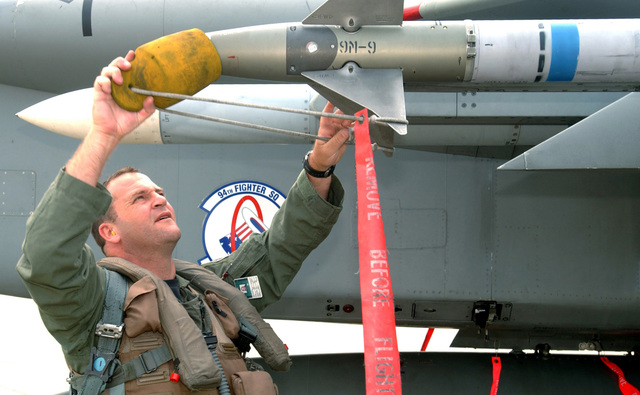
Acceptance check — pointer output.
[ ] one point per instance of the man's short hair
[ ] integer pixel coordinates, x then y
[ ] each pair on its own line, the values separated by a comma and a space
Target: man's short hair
110, 215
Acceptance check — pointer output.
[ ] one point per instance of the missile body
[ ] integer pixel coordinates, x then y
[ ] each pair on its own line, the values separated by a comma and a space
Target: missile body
69, 114
491, 55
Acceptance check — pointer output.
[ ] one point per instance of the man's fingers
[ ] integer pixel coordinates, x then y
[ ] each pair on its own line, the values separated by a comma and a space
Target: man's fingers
336, 143
130, 56
103, 84
112, 73
329, 107
341, 137
148, 107
119, 64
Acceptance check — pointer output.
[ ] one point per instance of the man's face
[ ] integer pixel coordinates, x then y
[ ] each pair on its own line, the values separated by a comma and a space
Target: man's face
143, 215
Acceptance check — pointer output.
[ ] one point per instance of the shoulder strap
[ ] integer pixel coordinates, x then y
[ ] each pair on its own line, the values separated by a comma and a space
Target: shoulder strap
109, 331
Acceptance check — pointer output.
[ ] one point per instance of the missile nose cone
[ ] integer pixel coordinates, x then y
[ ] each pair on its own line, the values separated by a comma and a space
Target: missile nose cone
70, 115
27, 115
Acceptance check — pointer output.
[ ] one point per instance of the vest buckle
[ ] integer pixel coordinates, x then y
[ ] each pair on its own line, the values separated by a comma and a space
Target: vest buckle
109, 330
152, 362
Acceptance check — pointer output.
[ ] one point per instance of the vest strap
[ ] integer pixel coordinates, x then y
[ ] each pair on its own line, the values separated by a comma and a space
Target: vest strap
109, 332
146, 362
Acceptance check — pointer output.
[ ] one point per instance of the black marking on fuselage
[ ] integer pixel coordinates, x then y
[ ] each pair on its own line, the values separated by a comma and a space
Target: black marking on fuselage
86, 18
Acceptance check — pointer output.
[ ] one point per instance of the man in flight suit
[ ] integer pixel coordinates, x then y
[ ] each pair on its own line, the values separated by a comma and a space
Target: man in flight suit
137, 223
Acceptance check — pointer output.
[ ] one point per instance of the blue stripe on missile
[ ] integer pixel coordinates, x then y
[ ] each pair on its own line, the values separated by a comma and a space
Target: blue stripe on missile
565, 48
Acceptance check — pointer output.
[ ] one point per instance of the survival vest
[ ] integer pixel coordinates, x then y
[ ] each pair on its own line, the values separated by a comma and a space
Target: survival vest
163, 349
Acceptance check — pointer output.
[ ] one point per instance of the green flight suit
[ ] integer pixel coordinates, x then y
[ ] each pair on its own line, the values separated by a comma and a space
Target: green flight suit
60, 271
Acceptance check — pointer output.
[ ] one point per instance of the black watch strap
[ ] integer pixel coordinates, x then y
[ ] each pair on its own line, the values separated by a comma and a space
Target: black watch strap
313, 172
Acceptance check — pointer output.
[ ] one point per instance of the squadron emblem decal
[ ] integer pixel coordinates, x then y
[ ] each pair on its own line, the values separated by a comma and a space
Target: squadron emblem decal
235, 212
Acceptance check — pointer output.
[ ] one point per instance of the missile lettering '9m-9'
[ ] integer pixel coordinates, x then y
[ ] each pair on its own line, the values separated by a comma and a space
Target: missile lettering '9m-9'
361, 54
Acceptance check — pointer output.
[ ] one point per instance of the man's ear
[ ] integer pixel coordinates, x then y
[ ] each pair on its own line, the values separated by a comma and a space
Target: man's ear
109, 232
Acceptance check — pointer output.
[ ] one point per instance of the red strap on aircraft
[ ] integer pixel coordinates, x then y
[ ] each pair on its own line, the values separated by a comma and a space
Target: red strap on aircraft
625, 387
427, 339
381, 357
497, 366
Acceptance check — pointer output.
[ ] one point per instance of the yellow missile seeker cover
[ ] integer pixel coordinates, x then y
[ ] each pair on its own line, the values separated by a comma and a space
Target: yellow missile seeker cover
184, 62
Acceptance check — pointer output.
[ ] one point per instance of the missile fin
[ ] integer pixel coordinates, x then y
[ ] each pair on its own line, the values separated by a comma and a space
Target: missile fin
379, 90
352, 14
607, 140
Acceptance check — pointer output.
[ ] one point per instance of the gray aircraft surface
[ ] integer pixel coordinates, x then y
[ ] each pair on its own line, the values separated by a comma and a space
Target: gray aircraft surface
511, 210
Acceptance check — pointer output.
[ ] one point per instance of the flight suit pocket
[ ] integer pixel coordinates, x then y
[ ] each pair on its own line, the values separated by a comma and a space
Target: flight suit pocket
253, 383
141, 308
219, 306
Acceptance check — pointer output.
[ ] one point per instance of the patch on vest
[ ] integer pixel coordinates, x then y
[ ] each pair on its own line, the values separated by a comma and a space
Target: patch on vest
235, 212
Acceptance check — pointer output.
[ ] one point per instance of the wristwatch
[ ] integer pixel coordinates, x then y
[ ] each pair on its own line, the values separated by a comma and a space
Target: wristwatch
313, 172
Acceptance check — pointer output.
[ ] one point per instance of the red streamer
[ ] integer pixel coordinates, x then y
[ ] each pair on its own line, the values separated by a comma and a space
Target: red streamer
497, 367
427, 339
625, 387
381, 357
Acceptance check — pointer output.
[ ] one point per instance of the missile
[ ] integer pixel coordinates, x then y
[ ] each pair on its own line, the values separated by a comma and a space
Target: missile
440, 121
371, 66
491, 55
69, 114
